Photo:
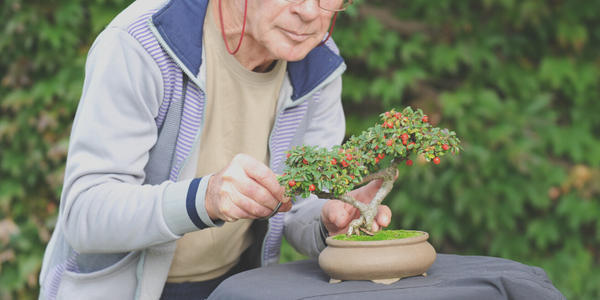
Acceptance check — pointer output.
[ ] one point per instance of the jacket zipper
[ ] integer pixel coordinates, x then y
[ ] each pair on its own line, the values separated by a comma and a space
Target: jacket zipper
191, 76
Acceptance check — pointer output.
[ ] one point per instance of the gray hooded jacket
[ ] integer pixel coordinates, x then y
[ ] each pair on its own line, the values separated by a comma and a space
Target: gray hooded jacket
129, 191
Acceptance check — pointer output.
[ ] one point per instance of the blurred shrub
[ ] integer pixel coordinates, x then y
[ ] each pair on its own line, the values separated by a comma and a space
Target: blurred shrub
43, 46
517, 80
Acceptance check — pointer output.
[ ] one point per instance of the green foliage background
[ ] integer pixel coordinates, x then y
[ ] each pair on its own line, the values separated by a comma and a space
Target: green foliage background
517, 80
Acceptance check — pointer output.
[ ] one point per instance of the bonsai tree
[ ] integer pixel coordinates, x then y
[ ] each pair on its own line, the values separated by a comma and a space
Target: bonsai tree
332, 173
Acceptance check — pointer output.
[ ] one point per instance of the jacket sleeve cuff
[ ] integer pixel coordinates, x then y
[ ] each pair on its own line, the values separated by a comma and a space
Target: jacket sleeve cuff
183, 206
323, 233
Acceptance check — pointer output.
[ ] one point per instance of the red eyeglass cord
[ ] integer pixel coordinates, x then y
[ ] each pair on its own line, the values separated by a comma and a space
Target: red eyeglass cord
330, 31
223, 28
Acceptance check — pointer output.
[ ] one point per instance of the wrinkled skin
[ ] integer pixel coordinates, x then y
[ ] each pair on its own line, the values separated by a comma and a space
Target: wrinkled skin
244, 189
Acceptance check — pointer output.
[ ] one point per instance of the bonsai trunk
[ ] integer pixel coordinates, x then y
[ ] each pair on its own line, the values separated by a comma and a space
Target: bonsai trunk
368, 211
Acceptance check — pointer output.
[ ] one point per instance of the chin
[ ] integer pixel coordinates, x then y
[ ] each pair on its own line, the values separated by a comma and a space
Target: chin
295, 57
296, 52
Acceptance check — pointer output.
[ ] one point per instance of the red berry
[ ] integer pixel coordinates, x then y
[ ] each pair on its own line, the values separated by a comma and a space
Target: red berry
292, 182
409, 162
381, 156
404, 136
352, 176
349, 156
425, 119
387, 114
389, 142
312, 187
404, 142
411, 144
445, 147
376, 147
398, 115
334, 161
376, 160
344, 163
305, 161
436, 160
289, 154
390, 125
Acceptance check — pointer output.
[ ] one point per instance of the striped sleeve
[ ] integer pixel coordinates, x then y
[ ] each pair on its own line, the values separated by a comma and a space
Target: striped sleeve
183, 206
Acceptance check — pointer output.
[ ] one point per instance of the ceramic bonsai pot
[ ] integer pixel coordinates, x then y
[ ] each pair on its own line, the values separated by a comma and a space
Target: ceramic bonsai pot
378, 261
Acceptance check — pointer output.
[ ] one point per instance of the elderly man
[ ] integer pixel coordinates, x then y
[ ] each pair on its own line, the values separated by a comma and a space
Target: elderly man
177, 139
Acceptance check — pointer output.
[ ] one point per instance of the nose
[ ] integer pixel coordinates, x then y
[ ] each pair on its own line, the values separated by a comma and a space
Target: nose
308, 10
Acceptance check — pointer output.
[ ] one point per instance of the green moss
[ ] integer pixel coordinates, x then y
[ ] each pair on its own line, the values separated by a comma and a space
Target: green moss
382, 235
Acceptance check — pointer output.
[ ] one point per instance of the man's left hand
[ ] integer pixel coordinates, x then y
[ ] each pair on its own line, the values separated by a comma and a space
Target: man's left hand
337, 215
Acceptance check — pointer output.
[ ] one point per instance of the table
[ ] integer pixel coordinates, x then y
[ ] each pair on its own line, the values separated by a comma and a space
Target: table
450, 277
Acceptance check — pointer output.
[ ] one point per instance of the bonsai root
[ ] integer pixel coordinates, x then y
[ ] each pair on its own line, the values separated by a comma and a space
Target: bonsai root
367, 232
360, 224
365, 222
355, 225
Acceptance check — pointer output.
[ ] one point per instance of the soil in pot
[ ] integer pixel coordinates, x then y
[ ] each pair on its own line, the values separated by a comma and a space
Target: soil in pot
382, 235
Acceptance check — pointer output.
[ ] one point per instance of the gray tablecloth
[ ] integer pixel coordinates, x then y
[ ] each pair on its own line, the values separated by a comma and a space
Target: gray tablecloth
450, 277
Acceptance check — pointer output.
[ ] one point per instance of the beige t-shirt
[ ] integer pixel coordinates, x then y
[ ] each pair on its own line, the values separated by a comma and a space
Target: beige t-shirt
239, 115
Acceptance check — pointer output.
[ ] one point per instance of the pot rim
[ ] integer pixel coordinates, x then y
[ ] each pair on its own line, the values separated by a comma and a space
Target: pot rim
397, 242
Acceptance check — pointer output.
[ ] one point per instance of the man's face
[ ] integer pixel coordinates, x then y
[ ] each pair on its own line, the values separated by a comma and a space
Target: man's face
288, 30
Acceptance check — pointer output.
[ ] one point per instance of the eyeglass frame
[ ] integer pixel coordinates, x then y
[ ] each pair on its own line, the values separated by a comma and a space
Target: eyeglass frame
347, 3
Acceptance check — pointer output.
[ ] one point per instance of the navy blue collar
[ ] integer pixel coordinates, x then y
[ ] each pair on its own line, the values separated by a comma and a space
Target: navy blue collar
180, 24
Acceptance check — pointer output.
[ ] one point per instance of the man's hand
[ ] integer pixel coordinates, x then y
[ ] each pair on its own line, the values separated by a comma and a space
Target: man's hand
244, 189
337, 215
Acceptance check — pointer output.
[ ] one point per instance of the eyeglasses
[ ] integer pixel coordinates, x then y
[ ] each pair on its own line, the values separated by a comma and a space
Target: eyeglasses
330, 5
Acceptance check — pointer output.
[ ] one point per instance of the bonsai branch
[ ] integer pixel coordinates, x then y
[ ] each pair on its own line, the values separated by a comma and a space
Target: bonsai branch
335, 173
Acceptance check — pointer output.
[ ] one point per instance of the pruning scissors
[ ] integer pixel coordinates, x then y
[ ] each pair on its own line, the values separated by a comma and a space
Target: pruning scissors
275, 211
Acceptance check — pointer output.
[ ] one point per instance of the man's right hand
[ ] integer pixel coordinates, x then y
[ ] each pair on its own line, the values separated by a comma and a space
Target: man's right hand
244, 189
